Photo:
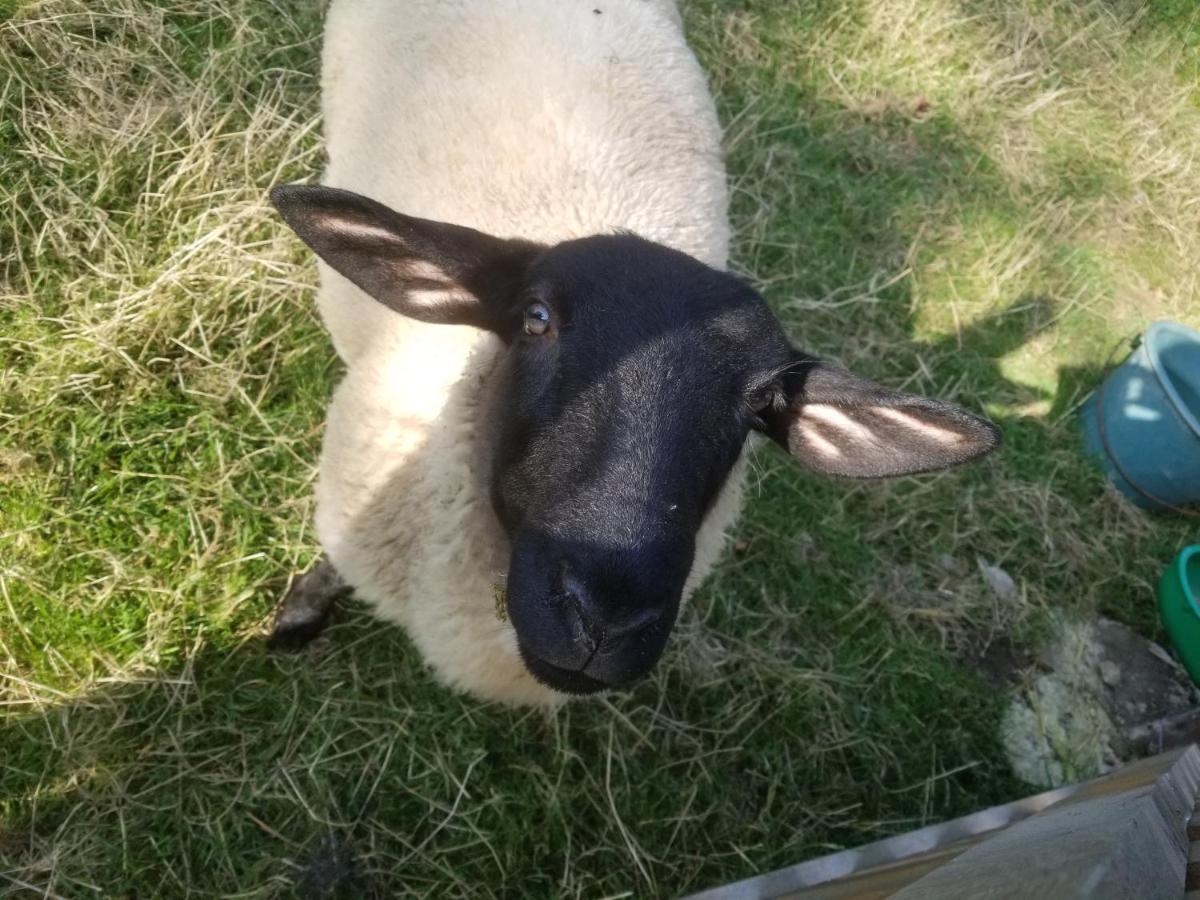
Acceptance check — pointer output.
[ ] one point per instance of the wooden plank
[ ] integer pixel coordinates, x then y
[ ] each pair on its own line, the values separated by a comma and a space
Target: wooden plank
825, 869
1154, 795
884, 881
1111, 844
1191, 881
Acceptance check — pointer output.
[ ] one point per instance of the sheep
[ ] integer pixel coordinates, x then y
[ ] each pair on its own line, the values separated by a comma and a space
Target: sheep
551, 380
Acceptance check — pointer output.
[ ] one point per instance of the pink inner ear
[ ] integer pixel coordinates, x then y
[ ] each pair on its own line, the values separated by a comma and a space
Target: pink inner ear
357, 230
812, 439
423, 270
433, 298
928, 430
829, 417
837, 431
427, 286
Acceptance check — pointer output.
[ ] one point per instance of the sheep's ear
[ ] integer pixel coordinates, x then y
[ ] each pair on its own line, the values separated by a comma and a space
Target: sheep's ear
840, 424
430, 271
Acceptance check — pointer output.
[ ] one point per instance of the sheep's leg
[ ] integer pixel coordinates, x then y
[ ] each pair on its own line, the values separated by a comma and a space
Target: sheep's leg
307, 608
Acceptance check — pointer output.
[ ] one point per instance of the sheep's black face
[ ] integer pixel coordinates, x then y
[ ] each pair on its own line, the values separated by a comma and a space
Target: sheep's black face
631, 377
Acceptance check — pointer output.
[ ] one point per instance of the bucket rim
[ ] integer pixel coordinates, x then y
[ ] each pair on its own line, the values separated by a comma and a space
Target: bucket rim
1153, 334
1181, 567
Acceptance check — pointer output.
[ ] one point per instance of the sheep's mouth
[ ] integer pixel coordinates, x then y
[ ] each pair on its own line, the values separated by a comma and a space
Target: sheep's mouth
565, 681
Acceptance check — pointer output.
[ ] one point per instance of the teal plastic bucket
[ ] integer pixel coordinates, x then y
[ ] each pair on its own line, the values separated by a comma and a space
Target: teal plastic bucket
1143, 422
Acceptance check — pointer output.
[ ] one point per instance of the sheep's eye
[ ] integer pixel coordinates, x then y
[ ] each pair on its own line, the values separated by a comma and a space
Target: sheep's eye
537, 319
760, 402
763, 399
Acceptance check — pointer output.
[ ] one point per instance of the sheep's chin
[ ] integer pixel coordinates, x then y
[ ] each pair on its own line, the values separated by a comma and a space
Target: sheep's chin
565, 681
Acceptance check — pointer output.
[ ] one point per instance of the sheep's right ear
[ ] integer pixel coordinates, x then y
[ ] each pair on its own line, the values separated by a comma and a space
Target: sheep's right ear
432, 271
838, 423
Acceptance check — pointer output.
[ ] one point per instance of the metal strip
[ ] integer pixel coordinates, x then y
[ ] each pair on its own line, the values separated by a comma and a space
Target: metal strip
847, 862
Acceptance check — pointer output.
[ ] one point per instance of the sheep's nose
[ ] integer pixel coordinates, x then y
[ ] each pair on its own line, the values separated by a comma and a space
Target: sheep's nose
598, 623
586, 619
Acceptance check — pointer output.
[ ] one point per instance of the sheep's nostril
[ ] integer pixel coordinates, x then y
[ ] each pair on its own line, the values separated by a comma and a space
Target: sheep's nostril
586, 627
597, 623
567, 582
636, 621
588, 632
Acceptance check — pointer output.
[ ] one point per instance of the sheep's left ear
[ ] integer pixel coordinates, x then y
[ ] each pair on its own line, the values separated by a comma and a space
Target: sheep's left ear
432, 271
840, 424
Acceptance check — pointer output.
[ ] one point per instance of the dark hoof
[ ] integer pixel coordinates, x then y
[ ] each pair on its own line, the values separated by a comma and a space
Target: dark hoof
307, 607
294, 629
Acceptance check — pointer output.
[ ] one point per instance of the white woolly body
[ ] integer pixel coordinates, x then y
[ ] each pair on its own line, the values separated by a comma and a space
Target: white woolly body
539, 119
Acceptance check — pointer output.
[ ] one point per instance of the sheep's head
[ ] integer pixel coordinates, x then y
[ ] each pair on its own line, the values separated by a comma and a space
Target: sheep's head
631, 378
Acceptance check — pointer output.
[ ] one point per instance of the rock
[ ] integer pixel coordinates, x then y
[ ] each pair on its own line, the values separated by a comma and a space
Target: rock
1057, 733
1000, 582
1152, 685
1104, 690
329, 870
807, 550
1110, 672
952, 565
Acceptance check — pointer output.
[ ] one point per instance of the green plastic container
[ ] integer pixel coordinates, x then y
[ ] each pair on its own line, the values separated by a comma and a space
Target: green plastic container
1179, 605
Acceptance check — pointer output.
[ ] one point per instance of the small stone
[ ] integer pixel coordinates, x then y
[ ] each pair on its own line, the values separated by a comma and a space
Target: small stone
329, 870
741, 546
952, 565
1159, 653
998, 580
1110, 673
806, 548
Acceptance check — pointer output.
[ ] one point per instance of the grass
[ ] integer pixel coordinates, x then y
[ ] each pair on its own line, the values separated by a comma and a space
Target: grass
976, 199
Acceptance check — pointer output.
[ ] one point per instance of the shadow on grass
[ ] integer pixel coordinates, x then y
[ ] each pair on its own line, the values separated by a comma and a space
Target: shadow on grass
265, 775
259, 773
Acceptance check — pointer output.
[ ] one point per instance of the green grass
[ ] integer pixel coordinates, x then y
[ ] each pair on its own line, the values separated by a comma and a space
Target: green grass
976, 199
